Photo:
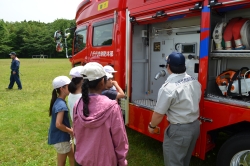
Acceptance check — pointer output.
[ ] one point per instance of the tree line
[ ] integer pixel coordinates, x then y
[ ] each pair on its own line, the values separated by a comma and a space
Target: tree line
28, 38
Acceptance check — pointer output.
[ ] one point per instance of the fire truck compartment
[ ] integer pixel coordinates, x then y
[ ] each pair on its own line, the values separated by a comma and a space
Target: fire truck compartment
223, 60
152, 43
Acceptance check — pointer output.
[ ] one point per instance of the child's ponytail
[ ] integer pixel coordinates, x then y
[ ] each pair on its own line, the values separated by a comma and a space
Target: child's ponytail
85, 97
73, 84
85, 92
53, 99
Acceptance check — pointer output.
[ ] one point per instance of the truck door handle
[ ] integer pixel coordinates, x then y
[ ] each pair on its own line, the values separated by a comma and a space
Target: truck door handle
206, 119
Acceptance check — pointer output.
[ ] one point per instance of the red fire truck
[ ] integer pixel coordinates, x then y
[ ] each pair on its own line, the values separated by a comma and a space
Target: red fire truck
135, 36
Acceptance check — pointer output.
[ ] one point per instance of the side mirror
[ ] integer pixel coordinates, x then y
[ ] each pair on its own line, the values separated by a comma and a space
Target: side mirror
59, 47
67, 35
58, 36
58, 40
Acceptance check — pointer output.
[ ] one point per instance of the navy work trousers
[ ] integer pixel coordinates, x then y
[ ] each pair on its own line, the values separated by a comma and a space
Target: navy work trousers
15, 78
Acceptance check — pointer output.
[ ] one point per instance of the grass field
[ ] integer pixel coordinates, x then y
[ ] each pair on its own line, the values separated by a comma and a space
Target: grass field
24, 120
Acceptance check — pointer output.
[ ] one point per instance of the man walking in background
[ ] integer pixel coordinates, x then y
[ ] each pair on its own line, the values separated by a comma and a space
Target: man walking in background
14, 74
178, 98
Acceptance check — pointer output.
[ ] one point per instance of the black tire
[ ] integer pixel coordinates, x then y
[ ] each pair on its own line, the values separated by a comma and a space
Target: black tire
231, 147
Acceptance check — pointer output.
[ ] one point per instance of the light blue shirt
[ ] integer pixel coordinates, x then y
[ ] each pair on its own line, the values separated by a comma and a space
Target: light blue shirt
179, 99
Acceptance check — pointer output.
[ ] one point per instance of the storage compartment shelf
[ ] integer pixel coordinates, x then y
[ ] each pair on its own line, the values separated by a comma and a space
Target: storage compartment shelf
230, 54
227, 100
146, 103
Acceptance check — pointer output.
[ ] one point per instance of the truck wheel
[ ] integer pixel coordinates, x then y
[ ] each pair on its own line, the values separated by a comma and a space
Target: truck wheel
235, 151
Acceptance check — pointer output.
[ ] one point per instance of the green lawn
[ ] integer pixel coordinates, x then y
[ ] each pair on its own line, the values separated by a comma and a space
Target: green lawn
24, 120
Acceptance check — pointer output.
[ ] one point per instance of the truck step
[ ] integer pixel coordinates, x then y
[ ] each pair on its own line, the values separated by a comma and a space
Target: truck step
244, 102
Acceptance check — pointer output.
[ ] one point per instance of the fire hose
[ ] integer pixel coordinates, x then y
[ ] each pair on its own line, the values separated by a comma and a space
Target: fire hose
228, 34
236, 33
217, 35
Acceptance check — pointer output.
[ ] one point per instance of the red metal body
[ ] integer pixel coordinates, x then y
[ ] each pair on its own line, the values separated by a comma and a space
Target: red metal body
88, 14
222, 115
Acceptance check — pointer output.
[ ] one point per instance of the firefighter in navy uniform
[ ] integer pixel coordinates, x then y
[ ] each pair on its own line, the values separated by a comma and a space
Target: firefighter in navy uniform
14, 75
179, 99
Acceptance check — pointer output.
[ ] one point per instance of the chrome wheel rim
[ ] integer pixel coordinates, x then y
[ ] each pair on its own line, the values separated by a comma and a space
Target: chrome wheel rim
241, 158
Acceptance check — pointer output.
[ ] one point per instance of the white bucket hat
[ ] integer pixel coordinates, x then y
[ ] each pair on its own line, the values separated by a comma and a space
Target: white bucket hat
109, 69
60, 81
93, 71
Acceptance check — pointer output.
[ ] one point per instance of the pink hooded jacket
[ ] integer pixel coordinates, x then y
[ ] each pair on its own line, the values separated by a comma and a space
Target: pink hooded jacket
101, 138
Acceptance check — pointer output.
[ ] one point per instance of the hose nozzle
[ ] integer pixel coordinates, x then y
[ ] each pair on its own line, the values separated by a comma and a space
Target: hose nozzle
161, 73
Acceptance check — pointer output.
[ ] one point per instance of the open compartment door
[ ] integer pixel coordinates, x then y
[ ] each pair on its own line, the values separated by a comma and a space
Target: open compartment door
125, 101
152, 39
225, 3
155, 11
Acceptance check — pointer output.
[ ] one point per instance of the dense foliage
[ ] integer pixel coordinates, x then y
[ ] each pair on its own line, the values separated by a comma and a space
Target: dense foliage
29, 38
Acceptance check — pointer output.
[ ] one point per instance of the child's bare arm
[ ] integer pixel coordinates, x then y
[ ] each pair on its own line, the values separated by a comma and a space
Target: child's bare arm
120, 93
60, 125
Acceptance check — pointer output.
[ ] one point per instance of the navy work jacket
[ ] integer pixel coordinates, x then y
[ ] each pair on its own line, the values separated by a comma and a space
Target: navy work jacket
15, 65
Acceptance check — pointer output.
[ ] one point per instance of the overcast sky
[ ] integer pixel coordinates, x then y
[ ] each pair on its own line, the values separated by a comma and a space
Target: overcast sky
38, 10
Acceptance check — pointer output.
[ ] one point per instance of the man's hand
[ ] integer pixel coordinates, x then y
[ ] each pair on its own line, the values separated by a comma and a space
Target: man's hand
155, 120
14, 72
150, 130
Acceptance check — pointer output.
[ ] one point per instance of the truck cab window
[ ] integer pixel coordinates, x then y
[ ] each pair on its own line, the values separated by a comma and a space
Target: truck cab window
102, 35
80, 40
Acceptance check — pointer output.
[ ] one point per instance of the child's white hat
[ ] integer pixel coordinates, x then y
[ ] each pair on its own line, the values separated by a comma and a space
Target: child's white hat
76, 71
109, 69
93, 71
109, 75
60, 81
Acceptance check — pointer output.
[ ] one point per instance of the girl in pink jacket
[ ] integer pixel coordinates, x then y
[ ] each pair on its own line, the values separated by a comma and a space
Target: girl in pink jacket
101, 138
